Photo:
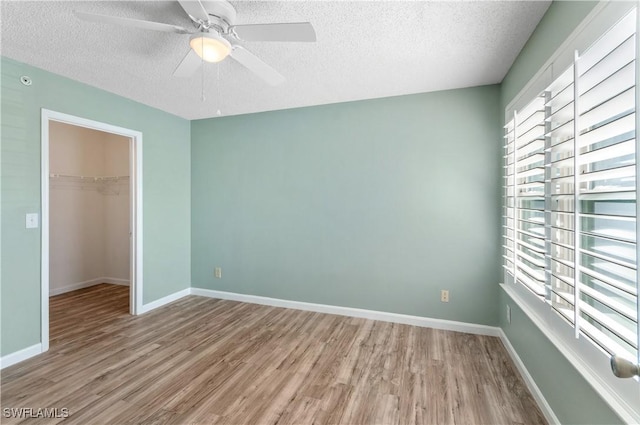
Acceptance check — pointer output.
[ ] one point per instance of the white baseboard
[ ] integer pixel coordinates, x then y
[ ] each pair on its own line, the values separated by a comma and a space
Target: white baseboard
115, 281
21, 355
164, 300
528, 379
424, 322
86, 284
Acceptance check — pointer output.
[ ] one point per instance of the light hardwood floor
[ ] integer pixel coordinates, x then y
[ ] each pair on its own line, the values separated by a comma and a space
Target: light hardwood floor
205, 361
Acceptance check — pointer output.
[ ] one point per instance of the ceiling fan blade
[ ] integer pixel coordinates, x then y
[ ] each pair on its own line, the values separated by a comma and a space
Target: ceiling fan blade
256, 65
189, 65
195, 9
294, 31
128, 22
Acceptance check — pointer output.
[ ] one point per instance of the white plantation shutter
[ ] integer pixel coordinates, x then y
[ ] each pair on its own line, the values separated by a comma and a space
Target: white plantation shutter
560, 198
570, 193
529, 189
608, 290
508, 210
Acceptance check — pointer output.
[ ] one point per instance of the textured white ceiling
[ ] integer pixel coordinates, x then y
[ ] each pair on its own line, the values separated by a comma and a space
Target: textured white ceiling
365, 50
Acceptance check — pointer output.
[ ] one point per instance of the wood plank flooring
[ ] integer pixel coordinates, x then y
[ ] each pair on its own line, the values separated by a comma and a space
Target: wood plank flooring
206, 361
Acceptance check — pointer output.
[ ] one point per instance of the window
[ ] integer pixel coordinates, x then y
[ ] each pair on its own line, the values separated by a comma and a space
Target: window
569, 225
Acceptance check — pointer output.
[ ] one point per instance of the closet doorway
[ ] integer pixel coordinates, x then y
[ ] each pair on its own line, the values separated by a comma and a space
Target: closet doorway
91, 220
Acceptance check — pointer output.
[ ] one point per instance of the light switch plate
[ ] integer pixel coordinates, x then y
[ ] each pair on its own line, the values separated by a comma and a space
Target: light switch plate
31, 221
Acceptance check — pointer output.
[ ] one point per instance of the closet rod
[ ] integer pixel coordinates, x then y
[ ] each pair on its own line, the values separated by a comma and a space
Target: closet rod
94, 178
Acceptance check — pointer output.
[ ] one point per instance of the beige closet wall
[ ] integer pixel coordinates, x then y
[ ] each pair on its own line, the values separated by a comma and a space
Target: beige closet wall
89, 222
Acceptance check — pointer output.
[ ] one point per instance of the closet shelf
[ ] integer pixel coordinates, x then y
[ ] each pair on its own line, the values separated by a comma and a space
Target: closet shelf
88, 178
105, 185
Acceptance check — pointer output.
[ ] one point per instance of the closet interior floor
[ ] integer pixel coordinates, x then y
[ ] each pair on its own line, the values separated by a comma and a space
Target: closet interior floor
79, 313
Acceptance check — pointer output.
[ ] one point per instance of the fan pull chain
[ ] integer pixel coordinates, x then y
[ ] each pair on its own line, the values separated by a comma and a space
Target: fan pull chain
218, 112
202, 98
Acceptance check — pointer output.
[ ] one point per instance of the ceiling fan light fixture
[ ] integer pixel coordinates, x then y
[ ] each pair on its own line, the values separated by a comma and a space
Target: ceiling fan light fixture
210, 47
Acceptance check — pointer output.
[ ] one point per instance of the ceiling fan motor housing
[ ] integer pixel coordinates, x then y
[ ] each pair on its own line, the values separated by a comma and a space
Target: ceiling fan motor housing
222, 10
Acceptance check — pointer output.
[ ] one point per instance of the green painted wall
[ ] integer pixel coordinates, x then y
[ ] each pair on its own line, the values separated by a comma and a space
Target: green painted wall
570, 396
166, 191
362, 204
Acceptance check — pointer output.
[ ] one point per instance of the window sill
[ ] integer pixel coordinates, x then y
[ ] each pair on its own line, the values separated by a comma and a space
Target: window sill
621, 395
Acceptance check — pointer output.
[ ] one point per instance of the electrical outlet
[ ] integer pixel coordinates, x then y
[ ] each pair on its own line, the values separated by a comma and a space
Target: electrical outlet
444, 296
508, 313
218, 272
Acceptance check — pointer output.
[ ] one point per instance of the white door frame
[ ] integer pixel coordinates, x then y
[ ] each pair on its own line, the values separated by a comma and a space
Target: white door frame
135, 181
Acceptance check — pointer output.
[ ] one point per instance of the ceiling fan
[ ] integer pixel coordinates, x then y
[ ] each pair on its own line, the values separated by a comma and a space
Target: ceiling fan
215, 29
